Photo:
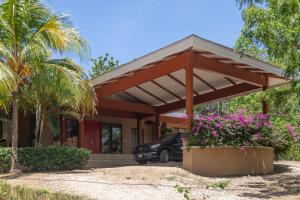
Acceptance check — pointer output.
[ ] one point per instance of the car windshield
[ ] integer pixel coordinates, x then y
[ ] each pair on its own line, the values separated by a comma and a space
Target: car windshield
167, 137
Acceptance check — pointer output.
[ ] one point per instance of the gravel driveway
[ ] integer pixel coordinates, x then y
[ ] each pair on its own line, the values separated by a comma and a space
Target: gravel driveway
162, 182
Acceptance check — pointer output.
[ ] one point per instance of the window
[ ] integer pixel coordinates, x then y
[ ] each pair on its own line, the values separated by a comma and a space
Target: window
134, 141
111, 138
72, 132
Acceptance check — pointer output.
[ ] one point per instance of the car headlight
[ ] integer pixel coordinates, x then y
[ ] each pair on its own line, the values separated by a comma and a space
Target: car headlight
154, 146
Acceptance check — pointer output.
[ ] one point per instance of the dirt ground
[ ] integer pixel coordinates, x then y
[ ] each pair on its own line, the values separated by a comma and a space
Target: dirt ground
164, 181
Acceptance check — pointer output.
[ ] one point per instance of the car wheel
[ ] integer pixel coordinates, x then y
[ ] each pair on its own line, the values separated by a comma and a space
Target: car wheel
142, 162
164, 156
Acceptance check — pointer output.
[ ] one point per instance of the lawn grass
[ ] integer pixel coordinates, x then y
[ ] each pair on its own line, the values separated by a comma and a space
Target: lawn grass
8, 192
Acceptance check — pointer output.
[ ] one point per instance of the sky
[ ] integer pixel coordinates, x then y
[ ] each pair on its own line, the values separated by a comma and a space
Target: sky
128, 29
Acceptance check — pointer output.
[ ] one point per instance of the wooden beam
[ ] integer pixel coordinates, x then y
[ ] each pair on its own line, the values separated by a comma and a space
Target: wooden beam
205, 82
126, 106
180, 83
167, 90
143, 76
189, 90
109, 112
208, 97
229, 70
173, 120
149, 93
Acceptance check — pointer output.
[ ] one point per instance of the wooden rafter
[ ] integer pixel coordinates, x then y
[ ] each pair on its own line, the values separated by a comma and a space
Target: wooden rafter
134, 97
166, 89
208, 97
179, 82
160, 69
204, 81
149, 93
229, 70
230, 80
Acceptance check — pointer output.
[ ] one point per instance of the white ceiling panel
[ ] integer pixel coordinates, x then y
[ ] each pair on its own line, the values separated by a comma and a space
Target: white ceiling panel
216, 80
180, 75
158, 91
171, 85
143, 96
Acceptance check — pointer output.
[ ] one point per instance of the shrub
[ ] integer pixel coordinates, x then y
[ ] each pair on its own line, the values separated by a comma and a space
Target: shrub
8, 192
292, 153
220, 185
236, 130
46, 158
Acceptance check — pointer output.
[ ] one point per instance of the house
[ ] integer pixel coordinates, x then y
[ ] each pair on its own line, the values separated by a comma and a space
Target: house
136, 99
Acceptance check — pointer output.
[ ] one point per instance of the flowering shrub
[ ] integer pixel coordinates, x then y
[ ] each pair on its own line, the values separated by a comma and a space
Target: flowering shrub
237, 130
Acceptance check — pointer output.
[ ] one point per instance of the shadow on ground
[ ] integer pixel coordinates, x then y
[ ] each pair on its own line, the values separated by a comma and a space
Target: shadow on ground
280, 184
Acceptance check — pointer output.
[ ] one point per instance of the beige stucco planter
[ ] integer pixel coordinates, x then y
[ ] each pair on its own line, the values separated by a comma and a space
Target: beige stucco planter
228, 161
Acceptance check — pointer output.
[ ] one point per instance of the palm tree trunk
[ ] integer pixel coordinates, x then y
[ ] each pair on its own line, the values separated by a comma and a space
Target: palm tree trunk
41, 127
37, 125
15, 123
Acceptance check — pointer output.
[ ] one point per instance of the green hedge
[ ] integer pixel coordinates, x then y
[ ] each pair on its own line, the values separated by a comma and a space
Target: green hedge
293, 153
46, 158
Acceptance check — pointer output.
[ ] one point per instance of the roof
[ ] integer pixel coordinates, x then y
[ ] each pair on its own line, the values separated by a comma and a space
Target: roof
209, 85
197, 43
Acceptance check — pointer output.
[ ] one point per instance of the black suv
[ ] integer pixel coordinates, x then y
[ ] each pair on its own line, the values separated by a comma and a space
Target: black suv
167, 148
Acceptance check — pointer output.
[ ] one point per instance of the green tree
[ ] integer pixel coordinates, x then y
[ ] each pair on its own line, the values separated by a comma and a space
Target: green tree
29, 36
102, 64
275, 29
247, 3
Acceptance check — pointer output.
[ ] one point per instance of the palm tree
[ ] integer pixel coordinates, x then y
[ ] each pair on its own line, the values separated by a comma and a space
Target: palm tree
29, 35
50, 93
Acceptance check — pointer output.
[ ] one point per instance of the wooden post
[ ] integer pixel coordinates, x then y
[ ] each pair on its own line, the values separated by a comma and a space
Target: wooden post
81, 133
265, 104
189, 85
138, 130
157, 126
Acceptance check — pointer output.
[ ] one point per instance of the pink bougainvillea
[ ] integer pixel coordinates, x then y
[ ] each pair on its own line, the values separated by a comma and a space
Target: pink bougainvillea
235, 129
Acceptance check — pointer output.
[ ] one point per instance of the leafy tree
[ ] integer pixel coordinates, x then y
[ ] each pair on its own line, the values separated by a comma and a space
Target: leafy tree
30, 34
275, 29
103, 64
271, 33
243, 3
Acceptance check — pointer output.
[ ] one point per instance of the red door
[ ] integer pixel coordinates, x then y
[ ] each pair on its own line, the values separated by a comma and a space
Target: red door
91, 138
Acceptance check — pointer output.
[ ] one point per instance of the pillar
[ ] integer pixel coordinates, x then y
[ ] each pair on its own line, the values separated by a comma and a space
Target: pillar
81, 133
157, 126
265, 104
138, 130
189, 86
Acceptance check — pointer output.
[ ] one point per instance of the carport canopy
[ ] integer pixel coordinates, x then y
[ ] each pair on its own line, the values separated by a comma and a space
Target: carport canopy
188, 72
